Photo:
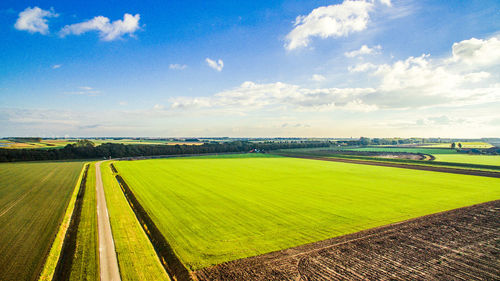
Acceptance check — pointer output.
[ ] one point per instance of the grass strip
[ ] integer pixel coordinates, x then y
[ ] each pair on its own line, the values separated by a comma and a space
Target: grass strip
137, 258
86, 259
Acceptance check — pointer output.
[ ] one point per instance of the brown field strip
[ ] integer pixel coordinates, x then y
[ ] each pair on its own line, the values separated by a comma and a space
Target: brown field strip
422, 167
461, 244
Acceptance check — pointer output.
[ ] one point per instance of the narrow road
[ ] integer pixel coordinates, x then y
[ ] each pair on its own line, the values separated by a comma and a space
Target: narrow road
107, 255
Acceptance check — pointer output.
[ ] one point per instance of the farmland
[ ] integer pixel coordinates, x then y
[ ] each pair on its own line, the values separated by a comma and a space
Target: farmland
60, 143
431, 151
33, 200
136, 256
469, 159
464, 145
85, 265
215, 210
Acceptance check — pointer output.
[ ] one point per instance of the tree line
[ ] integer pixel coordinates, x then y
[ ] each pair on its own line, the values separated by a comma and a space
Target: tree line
86, 150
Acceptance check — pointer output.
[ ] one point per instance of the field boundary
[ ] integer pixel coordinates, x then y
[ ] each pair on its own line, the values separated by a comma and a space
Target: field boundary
55, 250
172, 264
63, 267
421, 167
286, 264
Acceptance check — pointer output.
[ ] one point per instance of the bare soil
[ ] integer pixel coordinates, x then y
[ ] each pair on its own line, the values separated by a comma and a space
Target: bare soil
461, 244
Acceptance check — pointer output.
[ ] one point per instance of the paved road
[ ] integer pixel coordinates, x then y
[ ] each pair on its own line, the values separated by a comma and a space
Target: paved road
107, 255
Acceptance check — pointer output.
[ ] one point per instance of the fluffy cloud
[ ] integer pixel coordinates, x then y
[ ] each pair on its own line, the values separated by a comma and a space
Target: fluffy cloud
251, 96
176, 66
56, 66
330, 21
217, 65
108, 31
34, 20
364, 50
416, 83
477, 52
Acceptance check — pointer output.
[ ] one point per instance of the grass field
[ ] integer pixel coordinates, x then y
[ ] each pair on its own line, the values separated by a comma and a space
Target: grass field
431, 151
136, 256
33, 201
469, 159
85, 264
464, 145
215, 210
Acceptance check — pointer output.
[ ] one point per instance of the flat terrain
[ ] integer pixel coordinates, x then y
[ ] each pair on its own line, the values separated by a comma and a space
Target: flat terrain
431, 151
33, 200
464, 145
469, 159
85, 265
215, 210
137, 258
461, 244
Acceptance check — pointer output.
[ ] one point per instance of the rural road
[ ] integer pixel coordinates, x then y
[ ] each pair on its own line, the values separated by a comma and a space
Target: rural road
107, 256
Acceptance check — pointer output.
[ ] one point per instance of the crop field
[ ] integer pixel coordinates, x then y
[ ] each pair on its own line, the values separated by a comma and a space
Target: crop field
431, 151
215, 210
60, 143
136, 256
33, 200
469, 159
85, 264
464, 145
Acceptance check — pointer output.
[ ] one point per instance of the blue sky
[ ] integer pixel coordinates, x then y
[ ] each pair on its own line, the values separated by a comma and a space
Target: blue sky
250, 68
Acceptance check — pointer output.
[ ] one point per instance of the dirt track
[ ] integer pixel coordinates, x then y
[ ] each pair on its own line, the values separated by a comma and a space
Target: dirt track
462, 244
107, 256
408, 166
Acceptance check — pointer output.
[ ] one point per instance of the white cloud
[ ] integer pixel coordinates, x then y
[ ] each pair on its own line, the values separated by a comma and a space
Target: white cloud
217, 65
318, 77
34, 20
364, 50
331, 21
252, 96
158, 107
177, 66
477, 52
108, 31
56, 66
362, 67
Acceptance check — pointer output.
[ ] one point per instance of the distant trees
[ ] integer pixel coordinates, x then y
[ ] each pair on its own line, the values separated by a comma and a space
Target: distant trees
364, 141
453, 145
459, 145
86, 150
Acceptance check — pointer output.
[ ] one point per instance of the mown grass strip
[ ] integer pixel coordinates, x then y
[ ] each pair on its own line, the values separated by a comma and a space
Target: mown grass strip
137, 258
55, 250
66, 257
85, 265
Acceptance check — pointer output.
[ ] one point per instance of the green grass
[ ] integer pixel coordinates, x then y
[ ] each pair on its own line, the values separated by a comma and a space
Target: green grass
469, 159
217, 210
85, 264
431, 151
464, 145
33, 201
137, 258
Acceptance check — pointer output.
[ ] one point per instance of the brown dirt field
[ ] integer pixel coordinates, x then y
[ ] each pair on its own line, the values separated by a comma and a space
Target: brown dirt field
461, 244
409, 166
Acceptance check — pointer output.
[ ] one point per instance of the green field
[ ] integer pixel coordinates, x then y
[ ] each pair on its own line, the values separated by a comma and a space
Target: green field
464, 145
215, 210
431, 151
33, 201
469, 159
137, 258
85, 264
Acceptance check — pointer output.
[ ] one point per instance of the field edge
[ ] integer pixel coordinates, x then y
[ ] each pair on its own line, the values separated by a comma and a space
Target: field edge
55, 250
